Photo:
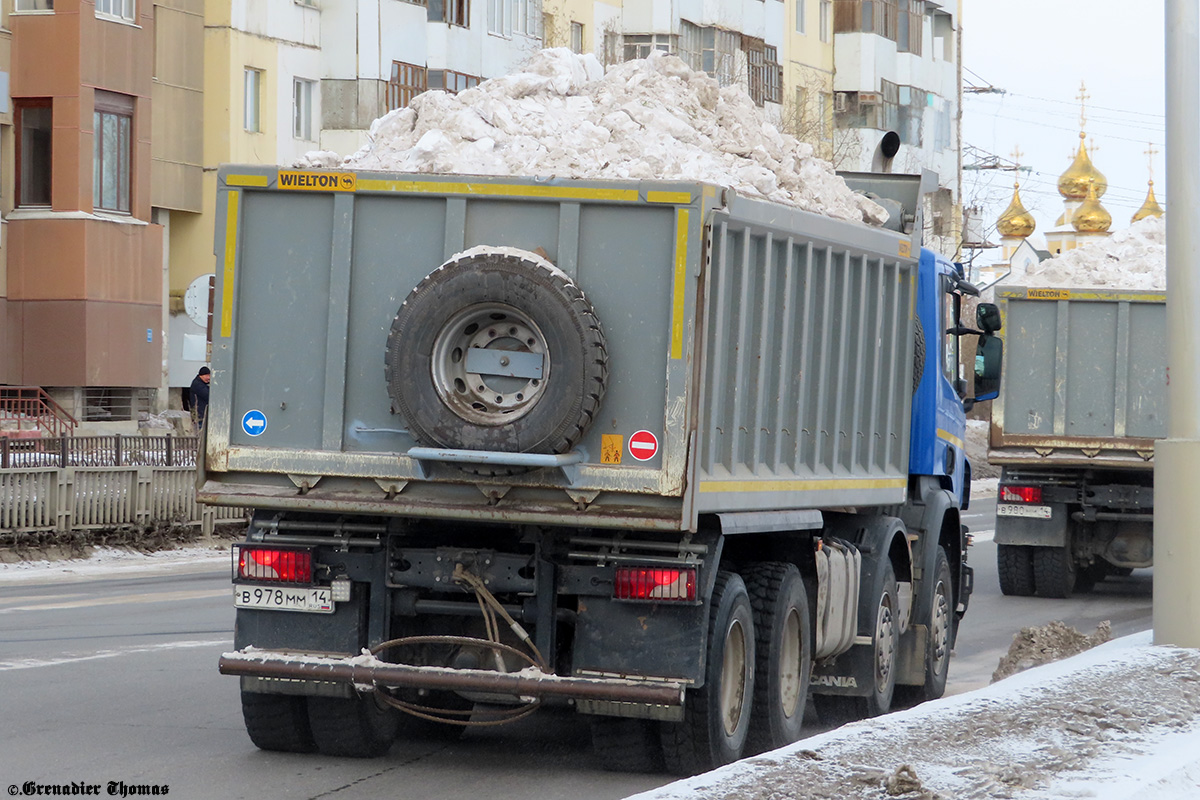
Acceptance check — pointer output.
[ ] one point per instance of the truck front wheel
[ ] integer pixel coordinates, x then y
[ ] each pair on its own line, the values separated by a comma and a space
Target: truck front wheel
278, 722
783, 655
358, 727
716, 717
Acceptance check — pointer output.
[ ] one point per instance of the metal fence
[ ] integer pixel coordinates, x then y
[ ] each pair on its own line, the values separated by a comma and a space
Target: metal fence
99, 451
85, 483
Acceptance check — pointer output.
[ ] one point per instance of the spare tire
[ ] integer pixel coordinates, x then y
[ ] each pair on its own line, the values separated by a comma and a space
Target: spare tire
497, 350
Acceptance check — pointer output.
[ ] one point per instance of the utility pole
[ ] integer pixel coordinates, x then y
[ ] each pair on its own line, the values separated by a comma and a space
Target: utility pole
1177, 458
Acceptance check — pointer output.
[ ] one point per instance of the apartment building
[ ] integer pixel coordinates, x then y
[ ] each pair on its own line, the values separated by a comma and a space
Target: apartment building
82, 297
897, 97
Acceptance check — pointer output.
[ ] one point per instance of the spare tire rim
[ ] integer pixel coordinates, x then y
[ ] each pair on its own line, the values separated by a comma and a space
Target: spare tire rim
490, 364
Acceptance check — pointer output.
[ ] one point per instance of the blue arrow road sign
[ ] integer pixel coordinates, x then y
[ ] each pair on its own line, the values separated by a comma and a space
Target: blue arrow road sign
254, 422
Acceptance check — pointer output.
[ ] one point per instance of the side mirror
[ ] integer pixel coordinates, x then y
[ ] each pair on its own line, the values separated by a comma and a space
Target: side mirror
989, 356
987, 317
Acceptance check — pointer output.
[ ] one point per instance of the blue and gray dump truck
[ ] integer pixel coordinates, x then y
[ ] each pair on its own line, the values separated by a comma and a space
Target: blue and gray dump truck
673, 457
1075, 436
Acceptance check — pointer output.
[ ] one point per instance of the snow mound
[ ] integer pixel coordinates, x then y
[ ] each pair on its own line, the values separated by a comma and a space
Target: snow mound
1034, 646
1119, 721
649, 119
1135, 258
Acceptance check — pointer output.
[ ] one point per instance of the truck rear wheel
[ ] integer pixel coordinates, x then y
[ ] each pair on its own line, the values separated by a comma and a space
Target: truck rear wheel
880, 620
1014, 563
627, 745
716, 717
782, 657
278, 722
497, 351
1054, 571
358, 727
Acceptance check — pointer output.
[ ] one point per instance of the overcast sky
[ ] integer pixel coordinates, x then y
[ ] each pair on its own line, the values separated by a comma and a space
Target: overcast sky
1037, 52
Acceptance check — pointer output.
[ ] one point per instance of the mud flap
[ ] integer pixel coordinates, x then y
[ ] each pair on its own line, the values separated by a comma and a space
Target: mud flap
910, 657
851, 673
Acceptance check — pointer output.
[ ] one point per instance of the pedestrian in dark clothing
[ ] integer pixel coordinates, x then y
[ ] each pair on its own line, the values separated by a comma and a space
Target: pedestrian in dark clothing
199, 395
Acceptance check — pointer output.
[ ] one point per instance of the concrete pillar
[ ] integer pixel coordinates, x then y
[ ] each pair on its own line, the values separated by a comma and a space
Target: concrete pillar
1177, 458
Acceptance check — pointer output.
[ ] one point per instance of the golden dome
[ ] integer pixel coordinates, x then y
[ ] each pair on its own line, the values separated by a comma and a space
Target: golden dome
1091, 217
1016, 221
1150, 208
1073, 184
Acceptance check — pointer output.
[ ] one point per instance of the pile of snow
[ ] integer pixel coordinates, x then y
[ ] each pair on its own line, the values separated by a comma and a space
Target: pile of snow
1119, 721
650, 119
1135, 258
1042, 644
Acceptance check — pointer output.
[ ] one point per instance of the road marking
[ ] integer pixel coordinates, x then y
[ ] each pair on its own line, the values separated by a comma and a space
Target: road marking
982, 536
149, 597
33, 663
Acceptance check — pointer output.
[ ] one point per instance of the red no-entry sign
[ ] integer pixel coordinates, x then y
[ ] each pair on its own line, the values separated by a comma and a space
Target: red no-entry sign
643, 445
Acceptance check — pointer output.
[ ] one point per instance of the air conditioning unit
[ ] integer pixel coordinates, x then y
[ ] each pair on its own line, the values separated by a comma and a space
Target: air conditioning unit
869, 98
841, 102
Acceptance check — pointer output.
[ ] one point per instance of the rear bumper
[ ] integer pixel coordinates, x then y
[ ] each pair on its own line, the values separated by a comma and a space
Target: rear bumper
370, 671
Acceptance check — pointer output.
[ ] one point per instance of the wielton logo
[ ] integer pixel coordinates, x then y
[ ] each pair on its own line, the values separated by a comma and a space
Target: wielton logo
318, 181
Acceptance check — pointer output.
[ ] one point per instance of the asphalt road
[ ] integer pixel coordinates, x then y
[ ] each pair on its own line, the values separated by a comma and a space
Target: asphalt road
115, 679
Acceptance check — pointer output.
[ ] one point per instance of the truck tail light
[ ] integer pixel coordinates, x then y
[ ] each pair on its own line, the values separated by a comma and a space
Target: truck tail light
652, 583
1021, 494
271, 564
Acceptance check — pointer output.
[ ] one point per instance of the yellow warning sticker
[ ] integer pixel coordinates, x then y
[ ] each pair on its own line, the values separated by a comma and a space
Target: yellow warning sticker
318, 181
611, 447
905, 248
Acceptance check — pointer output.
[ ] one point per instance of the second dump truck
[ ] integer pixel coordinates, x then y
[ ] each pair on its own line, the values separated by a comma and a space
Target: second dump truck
673, 456
1075, 435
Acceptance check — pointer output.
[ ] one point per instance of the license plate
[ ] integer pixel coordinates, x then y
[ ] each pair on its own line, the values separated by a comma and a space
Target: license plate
1017, 510
313, 601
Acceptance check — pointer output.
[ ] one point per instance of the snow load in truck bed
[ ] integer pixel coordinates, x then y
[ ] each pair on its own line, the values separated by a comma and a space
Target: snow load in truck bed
1135, 258
563, 116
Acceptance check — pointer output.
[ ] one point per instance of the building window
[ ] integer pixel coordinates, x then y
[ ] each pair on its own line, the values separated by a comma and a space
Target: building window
641, 45
252, 89
407, 81
612, 47
499, 13
527, 17
122, 9
756, 60
452, 12
826, 18
773, 76
691, 48
114, 403
302, 109
909, 28
720, 54
880, 17
112, 123
34, 136
576, 37
450, 81
34, 5
801, 23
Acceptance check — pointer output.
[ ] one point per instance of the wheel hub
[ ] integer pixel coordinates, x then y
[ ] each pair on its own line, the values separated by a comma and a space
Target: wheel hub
490, 364
733, 677
941, 627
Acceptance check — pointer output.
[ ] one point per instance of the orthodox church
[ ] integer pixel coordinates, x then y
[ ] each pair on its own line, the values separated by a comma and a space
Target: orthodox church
1083, 219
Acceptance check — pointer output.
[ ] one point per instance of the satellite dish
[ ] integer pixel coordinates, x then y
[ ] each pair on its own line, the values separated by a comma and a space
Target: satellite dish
196, 299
